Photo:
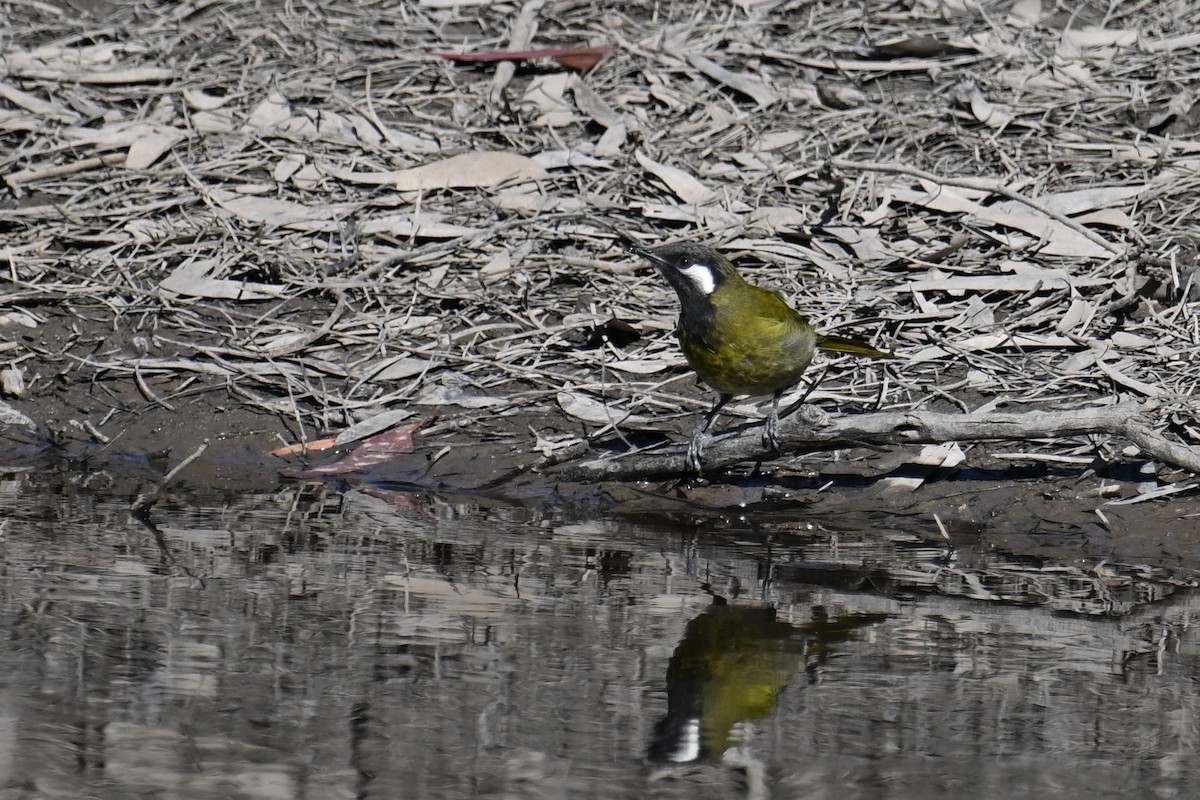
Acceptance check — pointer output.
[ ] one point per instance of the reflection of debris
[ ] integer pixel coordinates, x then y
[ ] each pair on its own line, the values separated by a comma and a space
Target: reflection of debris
1109, 589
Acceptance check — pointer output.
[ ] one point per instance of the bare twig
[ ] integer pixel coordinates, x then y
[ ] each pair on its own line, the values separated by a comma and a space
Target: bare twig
143, 503
523, 29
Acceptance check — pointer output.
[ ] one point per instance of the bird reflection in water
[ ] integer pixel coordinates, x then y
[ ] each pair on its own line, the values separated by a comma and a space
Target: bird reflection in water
731, 667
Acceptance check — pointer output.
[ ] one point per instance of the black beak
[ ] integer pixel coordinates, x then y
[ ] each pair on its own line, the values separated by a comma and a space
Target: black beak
646, 253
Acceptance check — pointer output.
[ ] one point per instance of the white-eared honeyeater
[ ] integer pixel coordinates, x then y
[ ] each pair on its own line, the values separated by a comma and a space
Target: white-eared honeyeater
731, 667
741, 339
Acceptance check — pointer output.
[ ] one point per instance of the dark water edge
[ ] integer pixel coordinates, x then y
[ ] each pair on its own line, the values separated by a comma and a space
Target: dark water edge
310, 644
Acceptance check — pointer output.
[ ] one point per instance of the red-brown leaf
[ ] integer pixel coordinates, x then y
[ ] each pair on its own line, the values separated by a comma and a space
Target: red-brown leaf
381, 448
582, 59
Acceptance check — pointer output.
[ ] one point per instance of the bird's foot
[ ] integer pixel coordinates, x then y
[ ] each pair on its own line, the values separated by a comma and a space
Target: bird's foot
770, 437
695, 451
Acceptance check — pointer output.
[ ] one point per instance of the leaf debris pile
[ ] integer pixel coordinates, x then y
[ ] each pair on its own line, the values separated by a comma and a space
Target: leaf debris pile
295, 208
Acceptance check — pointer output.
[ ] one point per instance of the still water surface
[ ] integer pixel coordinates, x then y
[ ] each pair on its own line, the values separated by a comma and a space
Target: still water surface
381, 645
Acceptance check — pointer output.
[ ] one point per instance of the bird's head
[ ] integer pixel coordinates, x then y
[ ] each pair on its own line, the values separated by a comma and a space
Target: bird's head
694, 271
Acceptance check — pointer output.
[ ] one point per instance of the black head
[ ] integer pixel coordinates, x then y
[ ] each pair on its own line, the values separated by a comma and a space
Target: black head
693, 270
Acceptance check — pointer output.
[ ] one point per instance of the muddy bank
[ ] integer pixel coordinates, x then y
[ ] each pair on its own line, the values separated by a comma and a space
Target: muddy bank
1054, 512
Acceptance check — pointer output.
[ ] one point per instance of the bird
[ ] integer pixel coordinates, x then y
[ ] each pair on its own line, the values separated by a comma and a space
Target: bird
739, 338
732, 665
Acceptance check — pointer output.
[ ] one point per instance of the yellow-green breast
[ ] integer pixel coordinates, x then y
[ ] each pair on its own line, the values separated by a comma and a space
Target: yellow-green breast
753, 344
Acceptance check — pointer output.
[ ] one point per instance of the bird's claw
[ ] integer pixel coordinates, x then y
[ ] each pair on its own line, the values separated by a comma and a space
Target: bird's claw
771, 432
695, 451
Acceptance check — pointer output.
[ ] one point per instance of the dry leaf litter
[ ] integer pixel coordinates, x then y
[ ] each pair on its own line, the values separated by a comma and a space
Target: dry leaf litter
293, 207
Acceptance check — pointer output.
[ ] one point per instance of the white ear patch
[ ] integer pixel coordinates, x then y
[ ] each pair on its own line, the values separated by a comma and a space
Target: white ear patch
702, 276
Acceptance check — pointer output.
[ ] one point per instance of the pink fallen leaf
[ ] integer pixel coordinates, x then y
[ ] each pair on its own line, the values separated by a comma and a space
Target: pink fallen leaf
379, 449
582, 59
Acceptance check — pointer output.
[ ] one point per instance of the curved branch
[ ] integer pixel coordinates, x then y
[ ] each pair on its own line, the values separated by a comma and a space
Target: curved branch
813, 430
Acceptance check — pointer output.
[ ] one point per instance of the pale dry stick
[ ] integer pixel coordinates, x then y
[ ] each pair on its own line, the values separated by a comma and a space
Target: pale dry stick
821, 432
140, 509
302, 432
272, 405
384, 131
141, 505
523, 29
514, 369
313, 335
147, 392
159, 365
229, 371
281, 367
27, 176
362, 280
600, 265
979, 185
406, 393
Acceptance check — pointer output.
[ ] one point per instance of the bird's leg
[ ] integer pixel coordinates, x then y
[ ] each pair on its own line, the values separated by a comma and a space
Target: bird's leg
700, 434
771, 431
771, 436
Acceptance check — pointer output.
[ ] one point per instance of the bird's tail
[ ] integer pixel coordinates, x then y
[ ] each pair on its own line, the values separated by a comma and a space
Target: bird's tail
854, 347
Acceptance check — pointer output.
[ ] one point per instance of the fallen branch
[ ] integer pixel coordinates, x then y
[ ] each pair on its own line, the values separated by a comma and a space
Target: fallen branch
812, 430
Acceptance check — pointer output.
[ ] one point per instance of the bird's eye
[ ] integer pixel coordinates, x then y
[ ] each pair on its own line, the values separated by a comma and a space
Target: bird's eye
686, 262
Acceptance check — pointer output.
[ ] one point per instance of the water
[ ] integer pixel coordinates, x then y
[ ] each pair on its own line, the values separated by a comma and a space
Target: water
308, 644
